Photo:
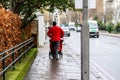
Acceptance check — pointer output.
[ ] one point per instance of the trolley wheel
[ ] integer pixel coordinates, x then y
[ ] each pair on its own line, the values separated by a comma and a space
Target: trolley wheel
50, 55
60, 54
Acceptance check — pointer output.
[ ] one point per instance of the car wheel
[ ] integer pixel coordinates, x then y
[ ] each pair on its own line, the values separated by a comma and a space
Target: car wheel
97, 36
72, 29
68, 34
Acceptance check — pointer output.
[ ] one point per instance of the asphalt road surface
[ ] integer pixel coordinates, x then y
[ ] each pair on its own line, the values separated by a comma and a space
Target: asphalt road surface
104, 51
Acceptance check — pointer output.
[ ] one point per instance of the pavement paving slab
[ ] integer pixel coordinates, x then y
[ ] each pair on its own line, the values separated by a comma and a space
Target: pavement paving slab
45, 69
67, 68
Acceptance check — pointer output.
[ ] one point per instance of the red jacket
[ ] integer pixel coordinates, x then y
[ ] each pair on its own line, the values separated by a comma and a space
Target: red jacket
55, 33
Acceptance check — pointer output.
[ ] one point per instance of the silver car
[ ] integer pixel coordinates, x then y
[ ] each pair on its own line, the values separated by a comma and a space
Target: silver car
78, 29
66, 31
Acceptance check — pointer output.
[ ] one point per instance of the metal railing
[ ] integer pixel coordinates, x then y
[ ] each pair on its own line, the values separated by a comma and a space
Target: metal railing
14, 54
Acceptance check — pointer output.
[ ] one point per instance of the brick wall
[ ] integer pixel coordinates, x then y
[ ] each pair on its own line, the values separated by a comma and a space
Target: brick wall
98, 10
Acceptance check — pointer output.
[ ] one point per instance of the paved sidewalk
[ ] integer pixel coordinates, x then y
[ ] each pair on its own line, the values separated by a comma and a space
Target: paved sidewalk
67, 68
109, 34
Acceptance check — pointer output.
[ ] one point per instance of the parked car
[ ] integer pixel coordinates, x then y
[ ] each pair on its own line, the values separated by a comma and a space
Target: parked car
78, 29
66, 31
72, 28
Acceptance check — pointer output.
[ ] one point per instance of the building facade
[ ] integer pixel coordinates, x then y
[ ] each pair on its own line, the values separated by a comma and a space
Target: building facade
98, 11
112, 10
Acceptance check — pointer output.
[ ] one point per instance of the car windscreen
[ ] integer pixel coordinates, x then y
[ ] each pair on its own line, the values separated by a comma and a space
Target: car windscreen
65, 28
93, 25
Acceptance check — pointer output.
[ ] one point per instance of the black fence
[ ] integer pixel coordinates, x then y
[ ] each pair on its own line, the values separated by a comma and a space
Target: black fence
13, 55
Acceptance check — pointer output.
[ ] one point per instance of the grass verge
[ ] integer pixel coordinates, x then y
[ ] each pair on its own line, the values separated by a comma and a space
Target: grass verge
22, 68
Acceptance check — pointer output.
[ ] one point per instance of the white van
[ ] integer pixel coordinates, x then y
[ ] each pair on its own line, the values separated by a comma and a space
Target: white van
93, 28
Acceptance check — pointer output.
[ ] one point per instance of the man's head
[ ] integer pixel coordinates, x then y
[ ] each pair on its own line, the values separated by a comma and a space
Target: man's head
54, 23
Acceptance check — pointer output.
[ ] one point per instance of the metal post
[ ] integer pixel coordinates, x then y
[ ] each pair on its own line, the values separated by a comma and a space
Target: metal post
85, 43
3, 63
13, 57
19, 55
23, 51
27, 48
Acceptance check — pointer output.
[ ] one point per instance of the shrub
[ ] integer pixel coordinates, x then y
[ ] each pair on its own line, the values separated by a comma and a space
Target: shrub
117, 27
96, 17
101, 25
76, 24
109, 27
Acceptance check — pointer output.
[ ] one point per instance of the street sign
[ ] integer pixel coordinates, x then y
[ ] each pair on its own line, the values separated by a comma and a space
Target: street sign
79, 4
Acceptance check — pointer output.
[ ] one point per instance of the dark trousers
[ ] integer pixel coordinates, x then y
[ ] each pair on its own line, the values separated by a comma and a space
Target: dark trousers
55, 46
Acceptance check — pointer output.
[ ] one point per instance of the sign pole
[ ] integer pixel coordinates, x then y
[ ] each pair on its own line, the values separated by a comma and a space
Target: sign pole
85, 43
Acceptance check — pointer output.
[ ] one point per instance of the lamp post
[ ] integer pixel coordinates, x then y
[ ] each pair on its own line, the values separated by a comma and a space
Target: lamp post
85, 43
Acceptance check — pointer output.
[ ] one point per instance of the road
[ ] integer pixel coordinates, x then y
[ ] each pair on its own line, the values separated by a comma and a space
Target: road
104, 51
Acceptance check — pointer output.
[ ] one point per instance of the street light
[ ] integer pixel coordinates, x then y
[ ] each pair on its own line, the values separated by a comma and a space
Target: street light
85, 43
